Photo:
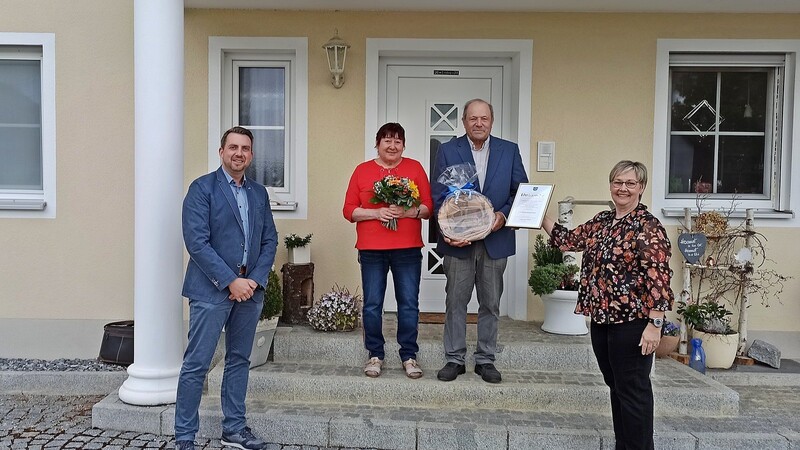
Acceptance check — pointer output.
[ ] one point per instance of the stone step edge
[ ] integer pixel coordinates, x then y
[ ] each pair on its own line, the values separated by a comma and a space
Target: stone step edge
719, 400
328, 431
350, 352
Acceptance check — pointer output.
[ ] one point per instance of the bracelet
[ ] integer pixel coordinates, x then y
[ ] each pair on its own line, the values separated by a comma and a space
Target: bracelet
417, 216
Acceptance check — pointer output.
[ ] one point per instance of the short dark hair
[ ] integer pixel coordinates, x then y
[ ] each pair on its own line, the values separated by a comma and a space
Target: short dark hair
391, 129
238, 130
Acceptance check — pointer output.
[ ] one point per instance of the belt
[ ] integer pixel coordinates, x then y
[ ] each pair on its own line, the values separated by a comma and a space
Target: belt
242, 270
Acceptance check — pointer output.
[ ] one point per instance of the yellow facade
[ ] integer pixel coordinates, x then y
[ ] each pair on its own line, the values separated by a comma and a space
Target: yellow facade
592, 93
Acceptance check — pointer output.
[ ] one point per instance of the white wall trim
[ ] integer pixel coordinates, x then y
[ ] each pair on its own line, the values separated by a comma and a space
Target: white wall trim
791, 129
217, 46
47, 41
521, 53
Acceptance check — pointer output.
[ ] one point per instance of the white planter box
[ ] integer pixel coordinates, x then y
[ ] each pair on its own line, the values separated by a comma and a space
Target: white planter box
300, 255
262, 342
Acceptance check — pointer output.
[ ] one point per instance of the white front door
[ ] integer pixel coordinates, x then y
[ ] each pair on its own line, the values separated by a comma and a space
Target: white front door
427, 100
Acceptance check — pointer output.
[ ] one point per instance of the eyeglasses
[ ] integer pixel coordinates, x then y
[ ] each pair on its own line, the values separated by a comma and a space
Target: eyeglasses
630, 184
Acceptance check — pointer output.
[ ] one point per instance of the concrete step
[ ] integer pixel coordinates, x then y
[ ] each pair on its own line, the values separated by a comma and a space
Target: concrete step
518, 349
411, 427
678, 389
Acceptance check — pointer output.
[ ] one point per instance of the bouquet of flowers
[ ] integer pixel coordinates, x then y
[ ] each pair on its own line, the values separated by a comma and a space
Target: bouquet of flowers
337, 310
394, 190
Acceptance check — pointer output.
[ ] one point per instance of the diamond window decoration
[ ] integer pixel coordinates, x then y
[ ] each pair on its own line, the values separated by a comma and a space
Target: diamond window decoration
703, 118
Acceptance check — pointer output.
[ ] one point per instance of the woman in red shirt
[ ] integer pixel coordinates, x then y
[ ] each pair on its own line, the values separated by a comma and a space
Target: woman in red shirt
381, 249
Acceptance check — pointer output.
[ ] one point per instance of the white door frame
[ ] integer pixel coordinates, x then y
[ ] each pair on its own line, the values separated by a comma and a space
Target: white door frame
521, 53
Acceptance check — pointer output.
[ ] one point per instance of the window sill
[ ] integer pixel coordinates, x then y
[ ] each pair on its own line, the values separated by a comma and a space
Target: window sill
758, 213
283, 206
22, 205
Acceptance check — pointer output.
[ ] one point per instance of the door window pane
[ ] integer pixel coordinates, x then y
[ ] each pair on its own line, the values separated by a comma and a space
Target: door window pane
20, 124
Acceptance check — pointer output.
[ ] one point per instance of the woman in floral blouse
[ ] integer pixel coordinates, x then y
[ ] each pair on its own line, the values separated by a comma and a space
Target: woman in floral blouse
625, 290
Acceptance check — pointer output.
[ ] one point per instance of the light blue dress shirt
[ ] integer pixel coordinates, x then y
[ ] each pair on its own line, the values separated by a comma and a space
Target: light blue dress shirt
240, 195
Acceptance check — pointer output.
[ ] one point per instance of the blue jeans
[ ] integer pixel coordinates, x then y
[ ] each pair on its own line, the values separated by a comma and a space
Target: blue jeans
206, 319
406, 267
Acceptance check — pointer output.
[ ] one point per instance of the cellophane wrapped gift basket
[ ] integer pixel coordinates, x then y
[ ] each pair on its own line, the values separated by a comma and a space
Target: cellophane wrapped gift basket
466, 214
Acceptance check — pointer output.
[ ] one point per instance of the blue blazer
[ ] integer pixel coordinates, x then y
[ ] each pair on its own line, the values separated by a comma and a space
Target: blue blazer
213, 234
504, 173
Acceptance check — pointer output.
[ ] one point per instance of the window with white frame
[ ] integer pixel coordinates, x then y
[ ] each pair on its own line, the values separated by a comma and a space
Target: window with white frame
27, 143
724, 121
262, 86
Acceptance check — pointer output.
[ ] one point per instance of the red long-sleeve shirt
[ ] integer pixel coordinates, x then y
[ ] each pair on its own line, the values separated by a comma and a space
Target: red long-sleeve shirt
371, 234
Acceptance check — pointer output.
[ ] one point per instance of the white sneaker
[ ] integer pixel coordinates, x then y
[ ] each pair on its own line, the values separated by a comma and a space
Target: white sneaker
373, 367
412, 368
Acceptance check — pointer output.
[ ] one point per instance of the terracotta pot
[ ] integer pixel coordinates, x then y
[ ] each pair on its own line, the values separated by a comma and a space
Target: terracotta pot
667, 345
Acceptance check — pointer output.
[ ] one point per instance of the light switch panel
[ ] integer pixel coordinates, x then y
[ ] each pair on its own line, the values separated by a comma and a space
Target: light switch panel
546, 156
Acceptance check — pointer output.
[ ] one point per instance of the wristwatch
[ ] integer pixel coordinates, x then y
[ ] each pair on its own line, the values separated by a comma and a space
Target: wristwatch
658, 322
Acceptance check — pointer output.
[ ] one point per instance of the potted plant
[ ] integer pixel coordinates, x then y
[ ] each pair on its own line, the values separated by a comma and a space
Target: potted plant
554, 281
299, 248
268, 320
670, 338
336, 310
711, 323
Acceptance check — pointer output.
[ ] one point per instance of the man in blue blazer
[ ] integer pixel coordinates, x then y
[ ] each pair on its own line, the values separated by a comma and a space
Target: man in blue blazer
231, 239
478, 264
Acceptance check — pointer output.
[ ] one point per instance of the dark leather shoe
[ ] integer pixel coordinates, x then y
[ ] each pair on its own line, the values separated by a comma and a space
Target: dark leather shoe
451, 371
488, 372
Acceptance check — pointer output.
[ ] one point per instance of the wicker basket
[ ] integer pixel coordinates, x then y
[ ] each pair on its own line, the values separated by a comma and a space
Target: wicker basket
468, 216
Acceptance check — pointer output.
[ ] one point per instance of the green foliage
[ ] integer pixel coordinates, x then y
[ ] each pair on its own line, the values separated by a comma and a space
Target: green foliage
295, 241
273, 297
550, 271
544, 254
709, 317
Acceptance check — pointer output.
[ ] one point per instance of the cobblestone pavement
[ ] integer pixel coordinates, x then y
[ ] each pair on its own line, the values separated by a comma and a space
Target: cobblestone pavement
55, 422
35, 422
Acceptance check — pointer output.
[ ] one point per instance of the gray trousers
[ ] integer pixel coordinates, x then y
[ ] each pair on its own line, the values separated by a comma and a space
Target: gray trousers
479, 271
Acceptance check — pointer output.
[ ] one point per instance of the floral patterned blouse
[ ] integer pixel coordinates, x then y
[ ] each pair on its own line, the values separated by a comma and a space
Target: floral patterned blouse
625, 267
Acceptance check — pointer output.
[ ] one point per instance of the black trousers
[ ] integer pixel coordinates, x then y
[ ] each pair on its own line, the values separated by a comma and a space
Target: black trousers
627, 373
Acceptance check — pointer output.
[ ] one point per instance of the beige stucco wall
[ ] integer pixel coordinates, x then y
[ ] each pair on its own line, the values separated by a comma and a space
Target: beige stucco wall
592, 93
80, 264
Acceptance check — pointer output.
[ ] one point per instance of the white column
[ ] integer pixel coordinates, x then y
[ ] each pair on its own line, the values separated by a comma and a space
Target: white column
158, 245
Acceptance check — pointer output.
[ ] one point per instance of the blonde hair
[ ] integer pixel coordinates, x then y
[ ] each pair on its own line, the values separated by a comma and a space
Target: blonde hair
638, 168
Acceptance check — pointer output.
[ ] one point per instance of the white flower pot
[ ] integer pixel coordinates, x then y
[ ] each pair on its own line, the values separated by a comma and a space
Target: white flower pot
300, 255
720, 349
262, 342
559, 314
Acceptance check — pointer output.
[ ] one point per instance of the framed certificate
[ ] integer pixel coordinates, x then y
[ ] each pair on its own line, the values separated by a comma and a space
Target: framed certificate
530, 205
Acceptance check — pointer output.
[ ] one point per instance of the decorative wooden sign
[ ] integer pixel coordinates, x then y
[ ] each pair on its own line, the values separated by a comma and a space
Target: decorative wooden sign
692, 245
